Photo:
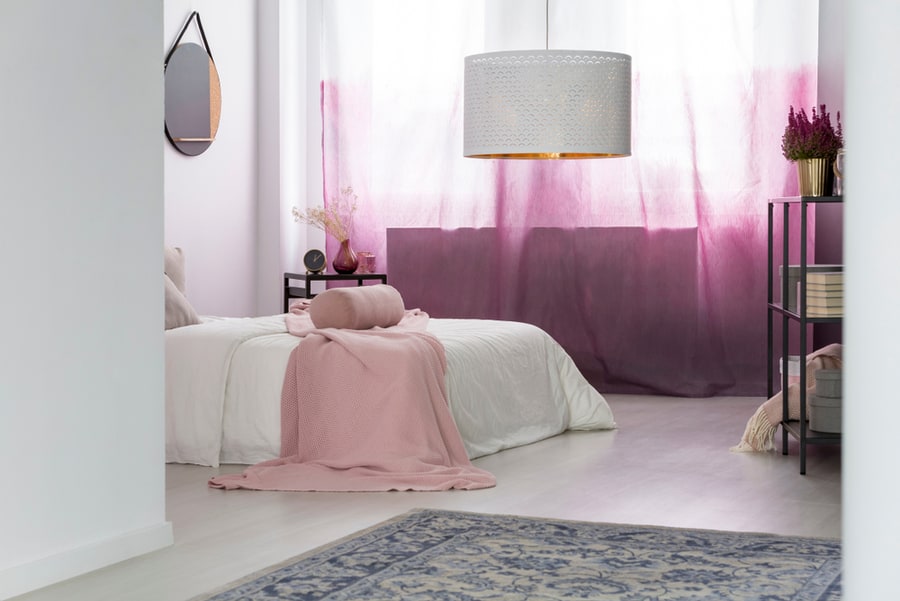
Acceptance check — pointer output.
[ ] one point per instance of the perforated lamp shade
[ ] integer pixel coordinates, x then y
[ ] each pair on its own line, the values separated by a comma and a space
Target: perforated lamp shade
547, 104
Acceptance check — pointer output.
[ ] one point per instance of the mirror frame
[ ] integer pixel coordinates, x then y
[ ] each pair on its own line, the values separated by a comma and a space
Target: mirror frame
193, 94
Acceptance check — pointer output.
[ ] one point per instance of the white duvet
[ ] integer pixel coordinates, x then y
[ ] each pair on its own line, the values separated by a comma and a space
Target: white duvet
508, 384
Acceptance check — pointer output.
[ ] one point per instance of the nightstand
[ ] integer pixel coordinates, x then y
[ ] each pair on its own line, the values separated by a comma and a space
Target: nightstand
305, 291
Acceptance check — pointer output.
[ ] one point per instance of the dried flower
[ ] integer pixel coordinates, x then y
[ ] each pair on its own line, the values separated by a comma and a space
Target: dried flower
811, 139
336, 220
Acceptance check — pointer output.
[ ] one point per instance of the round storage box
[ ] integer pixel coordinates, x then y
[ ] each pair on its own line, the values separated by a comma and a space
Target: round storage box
824, 413
828, 383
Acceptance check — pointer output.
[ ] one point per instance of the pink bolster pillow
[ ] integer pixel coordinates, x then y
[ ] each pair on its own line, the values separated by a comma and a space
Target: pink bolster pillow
357, 307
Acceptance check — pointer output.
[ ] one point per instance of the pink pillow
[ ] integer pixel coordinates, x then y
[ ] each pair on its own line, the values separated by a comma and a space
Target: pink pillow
357, 307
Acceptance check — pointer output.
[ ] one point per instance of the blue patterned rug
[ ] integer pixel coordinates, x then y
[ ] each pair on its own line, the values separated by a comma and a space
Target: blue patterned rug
432, 554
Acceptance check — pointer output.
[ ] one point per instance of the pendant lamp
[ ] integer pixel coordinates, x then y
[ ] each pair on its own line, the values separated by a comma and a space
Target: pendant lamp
547, 104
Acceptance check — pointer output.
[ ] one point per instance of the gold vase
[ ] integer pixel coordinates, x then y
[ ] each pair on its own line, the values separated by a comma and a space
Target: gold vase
812, 174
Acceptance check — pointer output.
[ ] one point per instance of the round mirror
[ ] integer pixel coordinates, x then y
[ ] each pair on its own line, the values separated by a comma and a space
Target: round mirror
193, 99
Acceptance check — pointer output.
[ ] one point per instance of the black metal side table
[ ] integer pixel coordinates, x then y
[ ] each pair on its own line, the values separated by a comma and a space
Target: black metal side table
305, 291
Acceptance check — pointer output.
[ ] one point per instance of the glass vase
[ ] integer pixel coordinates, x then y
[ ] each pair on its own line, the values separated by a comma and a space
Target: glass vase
345, 261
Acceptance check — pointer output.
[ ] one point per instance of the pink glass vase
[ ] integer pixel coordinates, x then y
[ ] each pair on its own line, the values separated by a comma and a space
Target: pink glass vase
345, 261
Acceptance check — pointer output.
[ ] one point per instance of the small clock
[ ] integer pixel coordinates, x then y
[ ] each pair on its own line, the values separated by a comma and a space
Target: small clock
314, 261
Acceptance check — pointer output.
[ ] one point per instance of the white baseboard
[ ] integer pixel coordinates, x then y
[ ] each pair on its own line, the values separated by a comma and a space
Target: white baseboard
51, 569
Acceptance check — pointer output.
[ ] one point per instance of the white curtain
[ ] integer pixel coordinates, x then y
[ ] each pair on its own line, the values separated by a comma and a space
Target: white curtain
712, 83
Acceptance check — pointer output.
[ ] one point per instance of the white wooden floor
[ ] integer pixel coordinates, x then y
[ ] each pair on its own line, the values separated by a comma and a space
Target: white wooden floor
668, 463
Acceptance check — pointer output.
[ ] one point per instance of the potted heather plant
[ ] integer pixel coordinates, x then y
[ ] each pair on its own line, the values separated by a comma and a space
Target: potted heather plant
813, 144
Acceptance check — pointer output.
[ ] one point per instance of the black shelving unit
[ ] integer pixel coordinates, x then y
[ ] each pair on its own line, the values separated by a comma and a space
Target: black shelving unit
799, 429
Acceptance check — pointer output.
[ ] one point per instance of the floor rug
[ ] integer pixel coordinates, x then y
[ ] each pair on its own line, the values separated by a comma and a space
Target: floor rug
432, 554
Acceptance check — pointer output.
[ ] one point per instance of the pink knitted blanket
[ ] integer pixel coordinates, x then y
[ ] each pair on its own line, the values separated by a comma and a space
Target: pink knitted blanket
759, 434
365, 410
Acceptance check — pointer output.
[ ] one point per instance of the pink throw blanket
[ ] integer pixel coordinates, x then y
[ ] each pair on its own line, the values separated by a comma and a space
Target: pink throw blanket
759, 435
364, 410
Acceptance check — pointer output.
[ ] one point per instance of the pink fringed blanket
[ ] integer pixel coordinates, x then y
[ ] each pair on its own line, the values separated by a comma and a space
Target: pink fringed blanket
364, 410
759, 434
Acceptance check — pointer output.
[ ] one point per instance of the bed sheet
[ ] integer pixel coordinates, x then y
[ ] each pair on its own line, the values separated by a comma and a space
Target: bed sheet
508, 384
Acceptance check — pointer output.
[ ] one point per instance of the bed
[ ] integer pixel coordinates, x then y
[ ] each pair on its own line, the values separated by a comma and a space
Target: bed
507, 383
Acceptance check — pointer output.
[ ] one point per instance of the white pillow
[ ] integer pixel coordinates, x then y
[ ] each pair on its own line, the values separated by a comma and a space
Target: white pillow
179, 311
173, 266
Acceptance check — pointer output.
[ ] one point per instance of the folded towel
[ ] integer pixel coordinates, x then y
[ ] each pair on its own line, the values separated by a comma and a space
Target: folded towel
357, 308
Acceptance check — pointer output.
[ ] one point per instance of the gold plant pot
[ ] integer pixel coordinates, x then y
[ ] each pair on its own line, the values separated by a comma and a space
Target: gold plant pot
812, 174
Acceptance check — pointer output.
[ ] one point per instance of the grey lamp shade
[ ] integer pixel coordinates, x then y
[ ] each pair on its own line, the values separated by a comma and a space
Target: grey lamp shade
547, 104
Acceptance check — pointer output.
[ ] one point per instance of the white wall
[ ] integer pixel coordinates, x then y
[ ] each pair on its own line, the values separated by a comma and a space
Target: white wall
830, 90
227, 207
857, 55
871, 486
211, 199
290, 150
81, 362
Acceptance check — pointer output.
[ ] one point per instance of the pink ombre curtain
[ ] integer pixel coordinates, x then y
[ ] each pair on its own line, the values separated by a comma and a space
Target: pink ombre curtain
649, 270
